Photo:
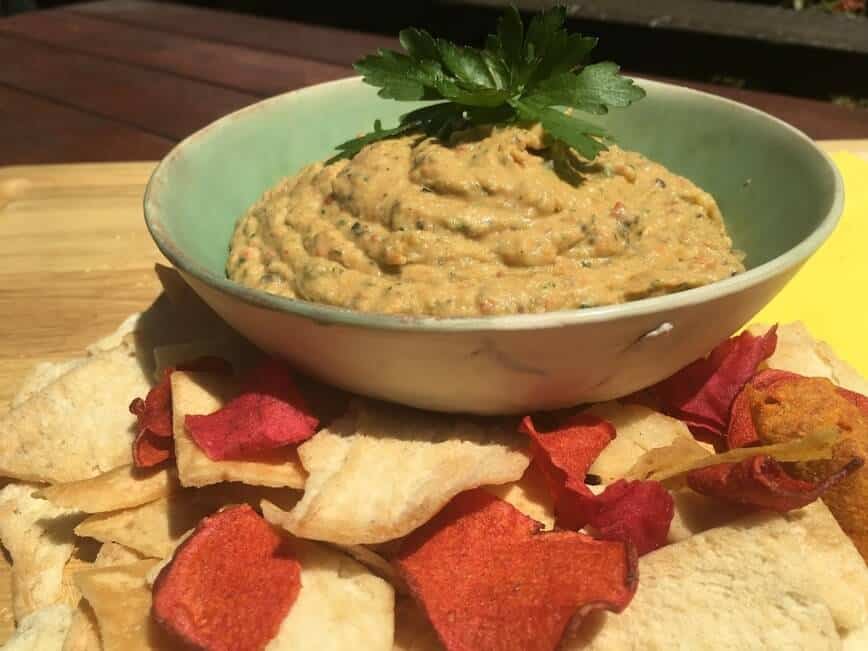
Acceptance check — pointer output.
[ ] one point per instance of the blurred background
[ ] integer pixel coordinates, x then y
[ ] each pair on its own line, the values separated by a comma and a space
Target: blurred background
805, 48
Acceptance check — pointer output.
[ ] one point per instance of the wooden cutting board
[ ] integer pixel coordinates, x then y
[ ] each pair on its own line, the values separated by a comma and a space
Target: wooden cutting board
77, 260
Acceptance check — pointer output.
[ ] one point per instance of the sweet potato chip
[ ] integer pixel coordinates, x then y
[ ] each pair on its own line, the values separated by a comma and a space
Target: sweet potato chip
341, 604
638, 512
269, 413
229, 585
121, 488
38, 538
381, 470
488, 579
766, 582
205, 393
154, 414
702, 393
121, 601
761, 481
155, 529
78, 426
564, 456
42, 630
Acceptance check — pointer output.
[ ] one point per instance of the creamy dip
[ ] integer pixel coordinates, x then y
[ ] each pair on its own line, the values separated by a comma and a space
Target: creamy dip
493, 222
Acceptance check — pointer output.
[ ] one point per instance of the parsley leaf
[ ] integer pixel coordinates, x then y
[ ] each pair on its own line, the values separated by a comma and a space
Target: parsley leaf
520, 76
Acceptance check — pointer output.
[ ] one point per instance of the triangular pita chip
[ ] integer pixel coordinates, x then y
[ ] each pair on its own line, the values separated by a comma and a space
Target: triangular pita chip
121, 488
42, 630
341, 605
78, 426
205, 393
156, 528
381, 471
39, 539
791, 581
121, 600
41, 375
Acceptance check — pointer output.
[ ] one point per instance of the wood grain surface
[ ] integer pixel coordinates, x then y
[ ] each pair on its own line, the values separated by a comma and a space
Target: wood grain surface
77, 261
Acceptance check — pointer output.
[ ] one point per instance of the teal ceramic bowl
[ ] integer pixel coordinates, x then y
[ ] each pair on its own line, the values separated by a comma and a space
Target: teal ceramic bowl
780, 194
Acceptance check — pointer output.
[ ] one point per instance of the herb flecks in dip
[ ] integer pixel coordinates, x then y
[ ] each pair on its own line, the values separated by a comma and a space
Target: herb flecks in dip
493, 222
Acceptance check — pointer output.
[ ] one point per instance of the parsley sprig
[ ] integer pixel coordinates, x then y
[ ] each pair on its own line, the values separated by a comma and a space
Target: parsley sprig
538, 75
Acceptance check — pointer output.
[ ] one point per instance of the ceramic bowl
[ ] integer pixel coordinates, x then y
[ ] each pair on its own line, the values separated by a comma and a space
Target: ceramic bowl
781, 197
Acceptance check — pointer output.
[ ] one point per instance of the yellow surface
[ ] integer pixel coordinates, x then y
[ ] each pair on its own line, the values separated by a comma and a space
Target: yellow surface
828, 293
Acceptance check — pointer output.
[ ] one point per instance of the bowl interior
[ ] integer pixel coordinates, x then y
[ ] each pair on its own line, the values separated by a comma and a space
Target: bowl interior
771, 183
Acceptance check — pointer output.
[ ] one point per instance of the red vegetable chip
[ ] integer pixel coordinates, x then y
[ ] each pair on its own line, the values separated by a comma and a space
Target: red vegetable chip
762, 482
488, 580
702, 393
564, 456
229, 585
639, 512
150, 450
269, 413
154, 413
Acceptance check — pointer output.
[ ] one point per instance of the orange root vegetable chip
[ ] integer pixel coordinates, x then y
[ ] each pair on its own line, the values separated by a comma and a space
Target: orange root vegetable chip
488, 579
229, 585
564, 456
638, 512
762, 482
153, 444
702, 393
270, 413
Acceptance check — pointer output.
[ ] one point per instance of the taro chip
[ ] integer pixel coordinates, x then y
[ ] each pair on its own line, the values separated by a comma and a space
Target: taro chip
762, 482
153, 444
636, 511
229, 585
488, 579
702, 393
564, 456
270, 413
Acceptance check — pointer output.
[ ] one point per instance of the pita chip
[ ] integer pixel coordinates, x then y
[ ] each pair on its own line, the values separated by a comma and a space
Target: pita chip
38, 537
41, 375
381, 471
799, 352
121, 601
639, 430
78, 426
121, 488
83, 633
530, 495
791, 581
341, 605
156, 528
205, 393
42, 630
413, 631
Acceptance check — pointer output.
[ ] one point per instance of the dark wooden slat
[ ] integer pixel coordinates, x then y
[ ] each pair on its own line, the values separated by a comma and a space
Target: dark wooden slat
158, 102
338, 46
819, 120
238, 67
35, 131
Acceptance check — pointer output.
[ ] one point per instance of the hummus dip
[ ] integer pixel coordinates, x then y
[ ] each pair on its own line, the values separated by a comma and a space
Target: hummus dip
493, 221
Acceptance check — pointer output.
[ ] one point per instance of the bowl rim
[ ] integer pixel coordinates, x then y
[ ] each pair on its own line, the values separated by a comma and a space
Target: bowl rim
334, 315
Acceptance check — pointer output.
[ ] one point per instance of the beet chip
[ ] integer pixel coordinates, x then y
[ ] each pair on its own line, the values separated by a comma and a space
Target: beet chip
702, 393
564, 456
762, 482
488, 580
229, 585
269, 413
154, 413
638, 512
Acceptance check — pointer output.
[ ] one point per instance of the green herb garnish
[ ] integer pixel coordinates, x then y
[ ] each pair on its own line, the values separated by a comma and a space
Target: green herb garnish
518, 77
